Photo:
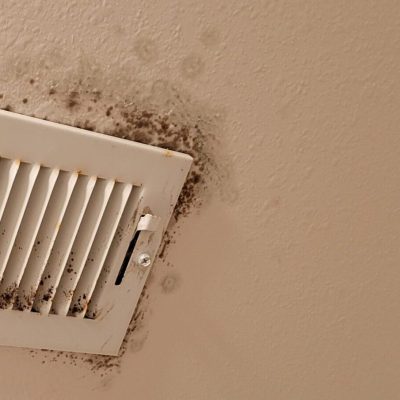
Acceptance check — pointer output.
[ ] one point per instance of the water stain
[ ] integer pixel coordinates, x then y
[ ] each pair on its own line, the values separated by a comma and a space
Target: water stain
210, 37
192, 66
138, 343
145, 49
170, 283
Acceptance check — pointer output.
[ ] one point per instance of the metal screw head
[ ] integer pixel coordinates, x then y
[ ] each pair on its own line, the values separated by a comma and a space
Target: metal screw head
144, 260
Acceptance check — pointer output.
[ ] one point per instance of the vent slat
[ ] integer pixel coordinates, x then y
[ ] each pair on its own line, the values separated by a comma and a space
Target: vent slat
8, 171
82, 245
64, 242
100, 248
28, 229
46, 237
14, 211
123, 236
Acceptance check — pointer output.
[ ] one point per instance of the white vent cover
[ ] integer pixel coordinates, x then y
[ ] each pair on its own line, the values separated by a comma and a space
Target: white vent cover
81, 219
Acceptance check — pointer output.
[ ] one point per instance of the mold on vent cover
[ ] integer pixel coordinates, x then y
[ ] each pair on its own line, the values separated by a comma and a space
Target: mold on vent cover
81, 219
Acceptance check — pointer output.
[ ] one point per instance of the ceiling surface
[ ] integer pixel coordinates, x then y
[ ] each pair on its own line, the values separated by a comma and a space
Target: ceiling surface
279, 276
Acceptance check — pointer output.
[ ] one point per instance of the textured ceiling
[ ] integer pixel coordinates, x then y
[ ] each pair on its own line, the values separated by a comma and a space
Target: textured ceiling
280, 275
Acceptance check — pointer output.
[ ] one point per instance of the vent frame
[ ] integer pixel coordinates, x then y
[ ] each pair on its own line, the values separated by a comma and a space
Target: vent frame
157, 176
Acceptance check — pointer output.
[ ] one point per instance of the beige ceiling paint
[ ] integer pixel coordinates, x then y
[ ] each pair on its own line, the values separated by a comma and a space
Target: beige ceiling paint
285, 283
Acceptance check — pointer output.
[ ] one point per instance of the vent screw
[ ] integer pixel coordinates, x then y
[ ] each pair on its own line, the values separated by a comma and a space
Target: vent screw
144, 260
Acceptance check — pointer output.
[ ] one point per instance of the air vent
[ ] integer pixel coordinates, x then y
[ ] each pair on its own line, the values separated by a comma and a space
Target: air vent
81, 219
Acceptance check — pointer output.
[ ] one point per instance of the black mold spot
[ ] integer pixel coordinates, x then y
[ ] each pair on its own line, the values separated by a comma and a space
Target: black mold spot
72, 100
48, 295
167, 241
24, 301
7, 298
77, 308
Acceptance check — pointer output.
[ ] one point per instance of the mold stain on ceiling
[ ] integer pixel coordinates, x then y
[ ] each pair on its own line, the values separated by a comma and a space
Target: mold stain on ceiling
156, 113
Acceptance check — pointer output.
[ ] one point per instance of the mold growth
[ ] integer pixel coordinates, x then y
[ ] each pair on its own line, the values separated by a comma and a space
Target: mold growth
159, 116
24, 301
7, 297
109, 363
156, 113
131, 122
100, 364
80, 305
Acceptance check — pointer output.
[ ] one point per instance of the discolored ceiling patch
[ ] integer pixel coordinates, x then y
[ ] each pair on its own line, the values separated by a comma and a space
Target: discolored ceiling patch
152, 112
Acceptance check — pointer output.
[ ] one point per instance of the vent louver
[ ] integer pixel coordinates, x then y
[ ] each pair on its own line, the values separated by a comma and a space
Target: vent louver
71, 203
